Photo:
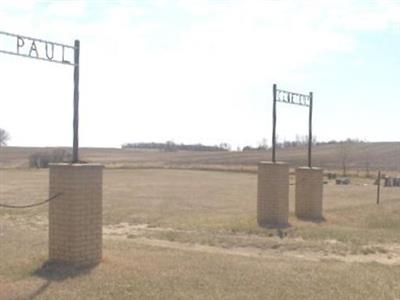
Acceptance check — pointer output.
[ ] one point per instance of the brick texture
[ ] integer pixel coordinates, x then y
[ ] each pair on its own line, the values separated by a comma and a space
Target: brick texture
309, 193
273, 193
75, 217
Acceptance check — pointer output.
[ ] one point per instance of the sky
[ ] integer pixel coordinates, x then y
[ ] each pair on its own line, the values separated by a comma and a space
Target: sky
202, 71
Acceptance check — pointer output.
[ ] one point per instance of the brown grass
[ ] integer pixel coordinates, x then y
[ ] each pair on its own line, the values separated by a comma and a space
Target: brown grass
385, 156
179, 234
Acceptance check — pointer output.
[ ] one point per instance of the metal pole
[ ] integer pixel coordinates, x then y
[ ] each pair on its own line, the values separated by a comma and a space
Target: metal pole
75, 150
378, 193
310, 130
273, 122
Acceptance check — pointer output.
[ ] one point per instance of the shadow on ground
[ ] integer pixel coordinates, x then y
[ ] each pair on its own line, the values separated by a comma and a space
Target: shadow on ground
53, 271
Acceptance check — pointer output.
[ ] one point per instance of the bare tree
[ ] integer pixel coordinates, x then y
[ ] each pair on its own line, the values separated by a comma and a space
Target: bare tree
303, 140
4, 137
225, 146
314, 140
263, 145
367, 161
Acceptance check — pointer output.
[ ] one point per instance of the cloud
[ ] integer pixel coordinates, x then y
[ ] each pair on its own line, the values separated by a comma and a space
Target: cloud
186, 69
66, 9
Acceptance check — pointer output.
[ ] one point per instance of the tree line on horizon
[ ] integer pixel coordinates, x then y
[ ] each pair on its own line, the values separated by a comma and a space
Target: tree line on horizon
301, 140
171, 146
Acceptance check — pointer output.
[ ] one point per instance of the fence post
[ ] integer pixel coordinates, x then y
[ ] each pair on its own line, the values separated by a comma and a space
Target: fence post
378, 194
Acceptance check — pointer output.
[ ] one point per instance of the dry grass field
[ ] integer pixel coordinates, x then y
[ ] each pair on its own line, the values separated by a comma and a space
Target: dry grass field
191, 234
385, 156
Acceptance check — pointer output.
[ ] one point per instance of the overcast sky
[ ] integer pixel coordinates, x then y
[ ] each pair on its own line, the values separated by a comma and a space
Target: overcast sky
202, 71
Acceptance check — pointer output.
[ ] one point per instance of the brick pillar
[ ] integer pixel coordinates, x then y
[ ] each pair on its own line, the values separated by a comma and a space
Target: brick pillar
273, 193
309, 189
75, 217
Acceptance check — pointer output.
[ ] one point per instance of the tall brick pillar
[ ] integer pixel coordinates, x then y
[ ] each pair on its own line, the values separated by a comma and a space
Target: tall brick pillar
75, 217
273, 193
309, 189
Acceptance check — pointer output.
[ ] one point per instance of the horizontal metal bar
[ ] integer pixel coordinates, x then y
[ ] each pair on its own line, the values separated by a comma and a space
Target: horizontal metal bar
39, 58
35, 39
297, 94
278, 100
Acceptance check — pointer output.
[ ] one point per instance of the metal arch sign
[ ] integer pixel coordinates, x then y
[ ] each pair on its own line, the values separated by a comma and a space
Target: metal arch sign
291, 98
40, 49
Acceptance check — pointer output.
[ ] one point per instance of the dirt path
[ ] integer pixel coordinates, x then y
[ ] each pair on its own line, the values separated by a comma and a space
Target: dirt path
290, 248
392, 258
388, 254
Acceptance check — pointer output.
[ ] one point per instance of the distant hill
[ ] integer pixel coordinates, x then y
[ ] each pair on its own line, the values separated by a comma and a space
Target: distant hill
357, 156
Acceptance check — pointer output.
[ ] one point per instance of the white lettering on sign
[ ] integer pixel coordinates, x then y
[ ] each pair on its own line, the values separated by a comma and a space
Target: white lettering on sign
293, 98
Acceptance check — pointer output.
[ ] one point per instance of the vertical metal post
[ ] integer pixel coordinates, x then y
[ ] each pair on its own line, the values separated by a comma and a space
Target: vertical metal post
273, 122
378, 193
75, 150
310, 130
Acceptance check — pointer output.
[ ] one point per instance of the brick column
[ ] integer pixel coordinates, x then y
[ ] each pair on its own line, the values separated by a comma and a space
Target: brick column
75, 217
273, 193
309, 189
